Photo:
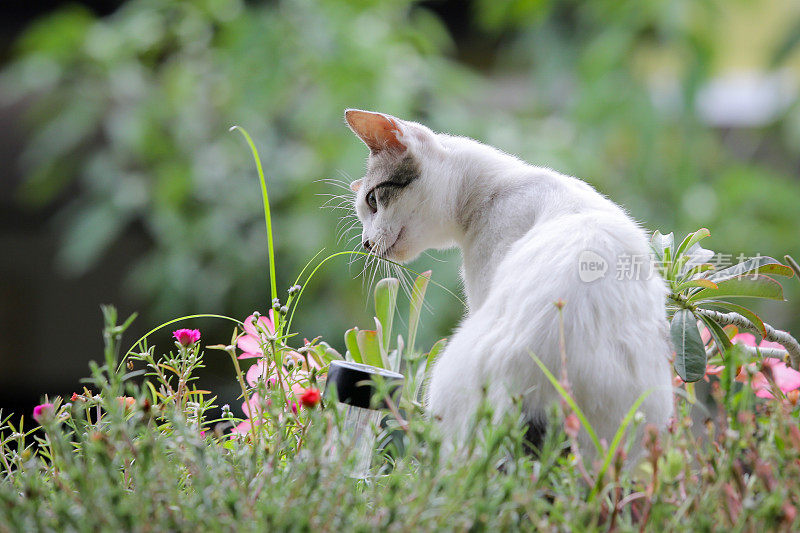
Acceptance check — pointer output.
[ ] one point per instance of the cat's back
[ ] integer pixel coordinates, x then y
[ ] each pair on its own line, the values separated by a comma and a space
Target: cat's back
595, 259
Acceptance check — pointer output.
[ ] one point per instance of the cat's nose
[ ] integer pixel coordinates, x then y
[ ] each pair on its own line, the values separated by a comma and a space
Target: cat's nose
367, 244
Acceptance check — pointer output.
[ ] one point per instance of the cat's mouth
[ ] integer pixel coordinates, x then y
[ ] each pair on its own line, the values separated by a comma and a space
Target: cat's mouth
388, 251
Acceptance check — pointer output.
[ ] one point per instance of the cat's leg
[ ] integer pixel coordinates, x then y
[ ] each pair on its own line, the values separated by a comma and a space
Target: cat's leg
480, 364
457, 380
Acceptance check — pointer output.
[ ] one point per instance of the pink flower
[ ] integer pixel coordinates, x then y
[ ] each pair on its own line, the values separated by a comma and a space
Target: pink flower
255, 334
785, 378
186, 337
43, 412
243, 428
251, 342
255, 407
293, 374
253, 415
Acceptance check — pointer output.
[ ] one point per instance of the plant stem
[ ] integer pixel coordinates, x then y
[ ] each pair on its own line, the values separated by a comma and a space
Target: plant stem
244, 394
774, 335
278, 360
267, 216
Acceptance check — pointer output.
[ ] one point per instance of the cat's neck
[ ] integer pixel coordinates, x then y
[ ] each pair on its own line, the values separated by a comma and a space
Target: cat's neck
499, 199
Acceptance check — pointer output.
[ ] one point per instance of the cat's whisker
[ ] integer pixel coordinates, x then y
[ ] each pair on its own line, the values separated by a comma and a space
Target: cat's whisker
435, 258
332, 195
337, 201
343, 183
346, 231
346, 207
400, 274
373, 271
346, 177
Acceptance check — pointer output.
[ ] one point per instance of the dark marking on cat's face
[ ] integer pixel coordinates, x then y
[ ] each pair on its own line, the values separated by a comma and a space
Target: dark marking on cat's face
404, 174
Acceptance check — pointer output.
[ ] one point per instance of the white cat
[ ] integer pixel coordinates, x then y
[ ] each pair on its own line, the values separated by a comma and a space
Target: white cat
529, 237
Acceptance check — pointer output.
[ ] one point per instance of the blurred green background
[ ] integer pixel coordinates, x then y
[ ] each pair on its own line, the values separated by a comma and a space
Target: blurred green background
121, 183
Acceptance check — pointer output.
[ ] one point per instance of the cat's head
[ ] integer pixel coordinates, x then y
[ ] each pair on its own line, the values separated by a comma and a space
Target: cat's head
396, 199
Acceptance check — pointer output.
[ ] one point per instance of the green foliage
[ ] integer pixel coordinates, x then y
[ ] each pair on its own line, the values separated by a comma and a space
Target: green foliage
696, 285
130, 111
101, 463
374, 347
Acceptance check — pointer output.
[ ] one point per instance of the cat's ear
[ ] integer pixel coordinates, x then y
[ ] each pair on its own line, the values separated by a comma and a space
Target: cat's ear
379, 132
355, 185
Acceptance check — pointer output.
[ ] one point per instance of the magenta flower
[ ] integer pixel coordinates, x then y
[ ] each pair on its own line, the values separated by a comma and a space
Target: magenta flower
785, 378
186, 337
43, 412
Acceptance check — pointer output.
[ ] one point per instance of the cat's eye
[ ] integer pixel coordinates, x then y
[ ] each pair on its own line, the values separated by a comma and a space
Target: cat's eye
372, 201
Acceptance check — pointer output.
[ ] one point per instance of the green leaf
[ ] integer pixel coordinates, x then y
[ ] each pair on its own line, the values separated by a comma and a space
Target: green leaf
697, 270
394, 358
325, 353
758, 286
718, 334
417, 298
368, 344
382, 349
690, 354
571, 402
385, 304
659, 242
435, 350
752, 267
692, 239
396, 355
705, 283
617, 440
745, 312
351, 342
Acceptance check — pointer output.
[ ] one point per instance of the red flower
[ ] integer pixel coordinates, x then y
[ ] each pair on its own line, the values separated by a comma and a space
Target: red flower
186, 337
310, 398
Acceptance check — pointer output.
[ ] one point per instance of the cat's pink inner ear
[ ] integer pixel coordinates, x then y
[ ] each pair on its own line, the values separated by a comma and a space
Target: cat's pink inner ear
379, 132
355, 185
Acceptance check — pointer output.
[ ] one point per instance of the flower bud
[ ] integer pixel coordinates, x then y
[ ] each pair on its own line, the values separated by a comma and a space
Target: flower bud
572, 425
43, 412
310, 398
